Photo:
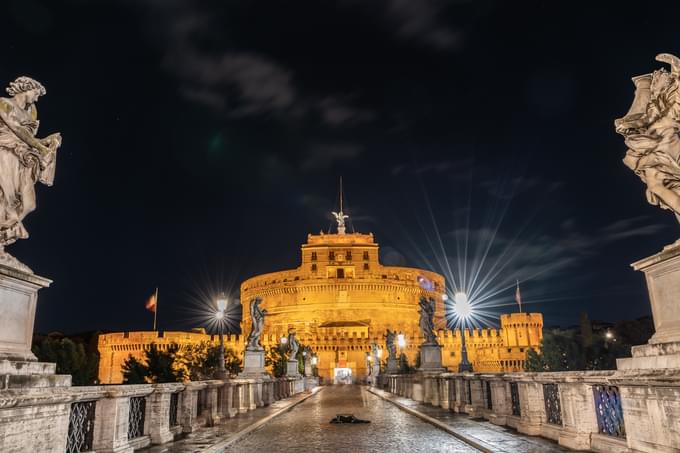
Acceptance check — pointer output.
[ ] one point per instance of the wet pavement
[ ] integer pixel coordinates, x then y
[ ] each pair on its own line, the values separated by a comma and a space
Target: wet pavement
306, 427
481, 432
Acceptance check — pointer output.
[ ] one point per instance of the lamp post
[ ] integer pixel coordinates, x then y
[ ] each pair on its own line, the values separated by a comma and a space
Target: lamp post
463, 310
401, 342
222, 302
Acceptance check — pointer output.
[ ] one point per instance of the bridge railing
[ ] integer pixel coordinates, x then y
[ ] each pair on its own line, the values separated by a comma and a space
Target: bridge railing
123, 417
586, 410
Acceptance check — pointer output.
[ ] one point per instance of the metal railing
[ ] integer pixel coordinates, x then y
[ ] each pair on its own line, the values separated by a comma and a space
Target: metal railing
609, 411
80, 427
553, 410
136, 417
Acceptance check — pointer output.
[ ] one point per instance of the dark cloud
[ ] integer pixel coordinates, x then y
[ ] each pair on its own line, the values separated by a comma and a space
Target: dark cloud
321, 156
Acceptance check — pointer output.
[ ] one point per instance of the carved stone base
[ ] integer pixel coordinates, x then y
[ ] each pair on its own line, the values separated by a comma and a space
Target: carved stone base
18, 299
392, 366
253, 364
662, 272
292, 368
431, 358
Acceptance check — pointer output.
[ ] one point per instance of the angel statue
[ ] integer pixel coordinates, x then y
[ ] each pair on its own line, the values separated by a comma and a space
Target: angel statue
427, 320
24, 160
650, 129
293, 346
340, 217
257, 315
389, 343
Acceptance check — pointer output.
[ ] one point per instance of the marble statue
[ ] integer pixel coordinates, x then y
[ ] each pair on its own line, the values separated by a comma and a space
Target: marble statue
427, 320
293, 346
257, 315
369, 365
390, 338
650, 129
24, 161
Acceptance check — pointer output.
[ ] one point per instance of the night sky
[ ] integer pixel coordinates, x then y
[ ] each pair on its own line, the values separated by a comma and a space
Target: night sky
203, 140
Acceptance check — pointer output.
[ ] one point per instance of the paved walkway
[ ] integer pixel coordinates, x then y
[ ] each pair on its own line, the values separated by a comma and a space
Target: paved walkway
480, 433
218, 438
306, 428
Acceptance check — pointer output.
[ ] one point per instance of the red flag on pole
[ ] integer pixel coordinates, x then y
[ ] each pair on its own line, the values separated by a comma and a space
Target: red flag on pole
518, 297
151, 303
152, 306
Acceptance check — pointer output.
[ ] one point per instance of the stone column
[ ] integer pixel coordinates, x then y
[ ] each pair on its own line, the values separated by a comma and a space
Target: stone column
211, 410
578, 415
477, 403
190, 419
444, 391
459, 405
532, 407
158, 406
112, 418
501, 402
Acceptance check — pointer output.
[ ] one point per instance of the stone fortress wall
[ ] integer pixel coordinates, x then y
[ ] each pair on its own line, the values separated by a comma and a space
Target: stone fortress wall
340, 300
115, 348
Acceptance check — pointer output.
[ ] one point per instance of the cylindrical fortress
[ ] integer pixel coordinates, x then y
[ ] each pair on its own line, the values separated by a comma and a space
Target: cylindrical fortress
341, 299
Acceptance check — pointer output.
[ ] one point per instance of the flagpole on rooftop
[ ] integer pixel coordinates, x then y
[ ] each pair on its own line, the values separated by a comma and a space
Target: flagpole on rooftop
155, 311
518, 297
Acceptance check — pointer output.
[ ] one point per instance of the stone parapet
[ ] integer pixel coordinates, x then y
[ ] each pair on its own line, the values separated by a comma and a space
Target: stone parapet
604, 411
157, 412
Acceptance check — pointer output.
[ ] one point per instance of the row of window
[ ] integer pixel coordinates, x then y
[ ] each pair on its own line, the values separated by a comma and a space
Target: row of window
340, 272
348, 255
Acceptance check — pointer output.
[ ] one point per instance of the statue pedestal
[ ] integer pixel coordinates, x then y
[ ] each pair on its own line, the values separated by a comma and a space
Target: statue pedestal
292, 368
431, 358
662, 272
253, 363
392, 366
18, 299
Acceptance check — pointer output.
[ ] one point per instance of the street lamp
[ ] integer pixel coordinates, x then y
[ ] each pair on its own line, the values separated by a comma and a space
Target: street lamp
463, 310
222, 303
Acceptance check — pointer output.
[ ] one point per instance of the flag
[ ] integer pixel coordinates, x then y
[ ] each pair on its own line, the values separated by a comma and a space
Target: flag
518, 297
151, 303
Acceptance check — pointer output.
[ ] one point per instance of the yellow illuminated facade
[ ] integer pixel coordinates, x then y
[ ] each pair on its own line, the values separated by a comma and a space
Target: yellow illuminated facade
339, 301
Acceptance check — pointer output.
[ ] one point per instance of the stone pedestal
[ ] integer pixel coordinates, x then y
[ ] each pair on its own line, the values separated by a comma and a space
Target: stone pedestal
253, 363
292, 368
392, 366
431, 358
18, 298
662, 272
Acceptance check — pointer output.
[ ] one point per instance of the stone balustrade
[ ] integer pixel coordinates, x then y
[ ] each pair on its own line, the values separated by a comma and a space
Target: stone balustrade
124, 418
625, 410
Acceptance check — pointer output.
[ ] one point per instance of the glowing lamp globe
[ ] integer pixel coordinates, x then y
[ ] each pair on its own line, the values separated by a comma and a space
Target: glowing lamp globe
401, 341
462, 307
219, 314
284, 340
222, 302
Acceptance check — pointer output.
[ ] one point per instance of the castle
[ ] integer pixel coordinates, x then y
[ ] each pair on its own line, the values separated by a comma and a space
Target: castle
339, 301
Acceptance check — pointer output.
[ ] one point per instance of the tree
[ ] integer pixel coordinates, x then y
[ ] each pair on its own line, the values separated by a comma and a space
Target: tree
565, 350
276, 358
70, 356
134, 371
157, 367
201, 361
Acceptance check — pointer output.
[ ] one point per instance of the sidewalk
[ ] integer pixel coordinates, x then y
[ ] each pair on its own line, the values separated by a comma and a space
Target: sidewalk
480, 434
217, 438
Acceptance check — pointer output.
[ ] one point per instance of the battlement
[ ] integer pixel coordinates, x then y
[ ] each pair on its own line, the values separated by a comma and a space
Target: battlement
339, 239
522, 319
138, 340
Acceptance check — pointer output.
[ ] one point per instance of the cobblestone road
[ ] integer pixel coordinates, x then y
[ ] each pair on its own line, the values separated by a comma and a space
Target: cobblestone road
306, 428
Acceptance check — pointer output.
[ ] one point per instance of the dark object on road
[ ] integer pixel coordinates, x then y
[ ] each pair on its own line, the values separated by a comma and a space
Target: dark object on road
348, 418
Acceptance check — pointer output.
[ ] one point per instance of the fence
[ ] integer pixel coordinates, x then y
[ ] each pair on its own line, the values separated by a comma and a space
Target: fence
594, 410
120, 417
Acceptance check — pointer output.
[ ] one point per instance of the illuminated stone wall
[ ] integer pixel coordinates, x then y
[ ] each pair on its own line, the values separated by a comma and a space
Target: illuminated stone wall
115, 348
339, 301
